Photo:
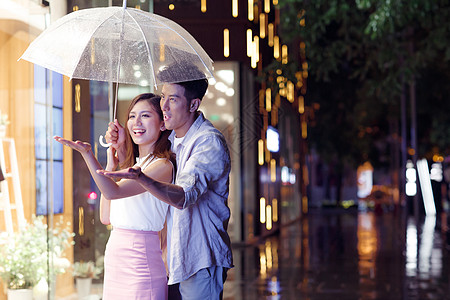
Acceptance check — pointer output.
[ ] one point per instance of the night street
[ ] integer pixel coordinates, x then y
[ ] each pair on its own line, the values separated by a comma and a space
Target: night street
346, 255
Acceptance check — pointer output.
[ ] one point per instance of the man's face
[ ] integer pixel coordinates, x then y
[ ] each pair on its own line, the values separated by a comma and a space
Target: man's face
175, 109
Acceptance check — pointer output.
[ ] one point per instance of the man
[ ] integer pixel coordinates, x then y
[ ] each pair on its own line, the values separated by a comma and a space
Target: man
199, 251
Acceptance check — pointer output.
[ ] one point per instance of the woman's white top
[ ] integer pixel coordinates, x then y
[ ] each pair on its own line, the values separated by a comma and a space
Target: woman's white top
140, 212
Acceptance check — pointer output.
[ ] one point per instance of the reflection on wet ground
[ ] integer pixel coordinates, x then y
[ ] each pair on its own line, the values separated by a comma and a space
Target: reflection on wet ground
346, 255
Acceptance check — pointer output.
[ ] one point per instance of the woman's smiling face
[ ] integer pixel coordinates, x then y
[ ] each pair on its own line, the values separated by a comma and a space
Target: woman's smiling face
145, 126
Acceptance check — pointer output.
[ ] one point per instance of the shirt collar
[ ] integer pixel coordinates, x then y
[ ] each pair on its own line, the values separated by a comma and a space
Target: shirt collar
196, 125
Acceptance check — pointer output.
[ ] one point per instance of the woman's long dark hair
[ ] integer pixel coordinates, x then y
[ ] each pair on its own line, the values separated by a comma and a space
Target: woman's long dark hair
162, 145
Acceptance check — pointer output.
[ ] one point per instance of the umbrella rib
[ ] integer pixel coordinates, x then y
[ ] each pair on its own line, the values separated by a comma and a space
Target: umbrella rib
164, 25
146, 45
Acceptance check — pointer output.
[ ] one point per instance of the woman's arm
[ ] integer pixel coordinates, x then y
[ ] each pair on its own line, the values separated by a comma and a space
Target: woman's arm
105, 204
160, 170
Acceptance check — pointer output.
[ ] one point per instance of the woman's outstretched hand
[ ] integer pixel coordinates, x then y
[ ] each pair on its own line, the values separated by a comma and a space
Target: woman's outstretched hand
79, 146
129, 173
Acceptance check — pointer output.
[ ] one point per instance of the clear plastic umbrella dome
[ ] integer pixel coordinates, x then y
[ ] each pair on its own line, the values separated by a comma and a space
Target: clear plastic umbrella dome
118, 44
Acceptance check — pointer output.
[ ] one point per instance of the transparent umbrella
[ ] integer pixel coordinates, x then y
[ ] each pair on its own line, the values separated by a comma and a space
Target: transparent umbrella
118, 44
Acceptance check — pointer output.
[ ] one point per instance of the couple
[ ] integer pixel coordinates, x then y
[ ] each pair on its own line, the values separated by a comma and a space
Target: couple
192, 195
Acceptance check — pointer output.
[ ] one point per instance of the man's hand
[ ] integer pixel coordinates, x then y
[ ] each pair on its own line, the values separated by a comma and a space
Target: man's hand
129, 173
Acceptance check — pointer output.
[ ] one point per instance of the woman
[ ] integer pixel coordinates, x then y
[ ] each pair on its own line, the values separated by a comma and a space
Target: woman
134, 268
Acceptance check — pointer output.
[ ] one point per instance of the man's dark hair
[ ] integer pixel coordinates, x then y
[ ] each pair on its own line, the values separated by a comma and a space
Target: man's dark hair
177, 72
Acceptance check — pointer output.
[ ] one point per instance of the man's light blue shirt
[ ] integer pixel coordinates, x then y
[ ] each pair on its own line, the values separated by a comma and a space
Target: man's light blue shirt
197, 234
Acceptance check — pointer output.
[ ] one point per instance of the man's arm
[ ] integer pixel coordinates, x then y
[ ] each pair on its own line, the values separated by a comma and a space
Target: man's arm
169, 193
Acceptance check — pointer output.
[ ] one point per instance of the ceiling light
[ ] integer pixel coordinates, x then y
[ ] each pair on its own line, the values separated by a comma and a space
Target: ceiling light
221, 101
229, 92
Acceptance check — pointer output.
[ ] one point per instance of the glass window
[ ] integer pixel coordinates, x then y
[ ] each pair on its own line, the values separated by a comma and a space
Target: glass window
48, 165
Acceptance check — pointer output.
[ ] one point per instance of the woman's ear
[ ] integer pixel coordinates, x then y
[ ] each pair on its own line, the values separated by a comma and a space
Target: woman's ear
195, 103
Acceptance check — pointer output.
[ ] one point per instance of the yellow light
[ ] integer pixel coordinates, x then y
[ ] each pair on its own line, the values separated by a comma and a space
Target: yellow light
301, 104
256, 40
262, 25
75, 8
275, 2
81, 220
302, 22
255, 52
284, 54
273, 170
269, 217
203, 6
226, 42
276, 47
268, 247
275, 209
234, 8
305, 204
162, 52
263, 264
268, 100
137, 6
260, 152
77, 98
171, 7
267, 6
304, 130
305, 65
249, 42
270, 33
262, 210
250, 10
290, 91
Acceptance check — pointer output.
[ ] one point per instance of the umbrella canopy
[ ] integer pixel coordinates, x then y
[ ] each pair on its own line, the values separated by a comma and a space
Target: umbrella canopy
118, 44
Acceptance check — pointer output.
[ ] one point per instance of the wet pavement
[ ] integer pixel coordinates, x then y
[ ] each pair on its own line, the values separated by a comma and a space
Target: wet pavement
346, 254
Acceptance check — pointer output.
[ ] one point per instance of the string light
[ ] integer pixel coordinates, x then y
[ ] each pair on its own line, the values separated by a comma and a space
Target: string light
262, 25
301, 104
234, 8
250, 10
273, 170
284, 54
275, 209
262, 210
249, 42
269, 217
268, 100
226, 42
276, 47
270, 30
203, 6
260, 152
267, 6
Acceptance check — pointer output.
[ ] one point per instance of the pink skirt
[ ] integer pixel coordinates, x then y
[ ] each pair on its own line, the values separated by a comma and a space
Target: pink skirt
134, 268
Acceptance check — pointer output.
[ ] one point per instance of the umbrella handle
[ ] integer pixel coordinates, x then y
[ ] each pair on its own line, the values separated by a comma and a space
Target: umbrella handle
102, 142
